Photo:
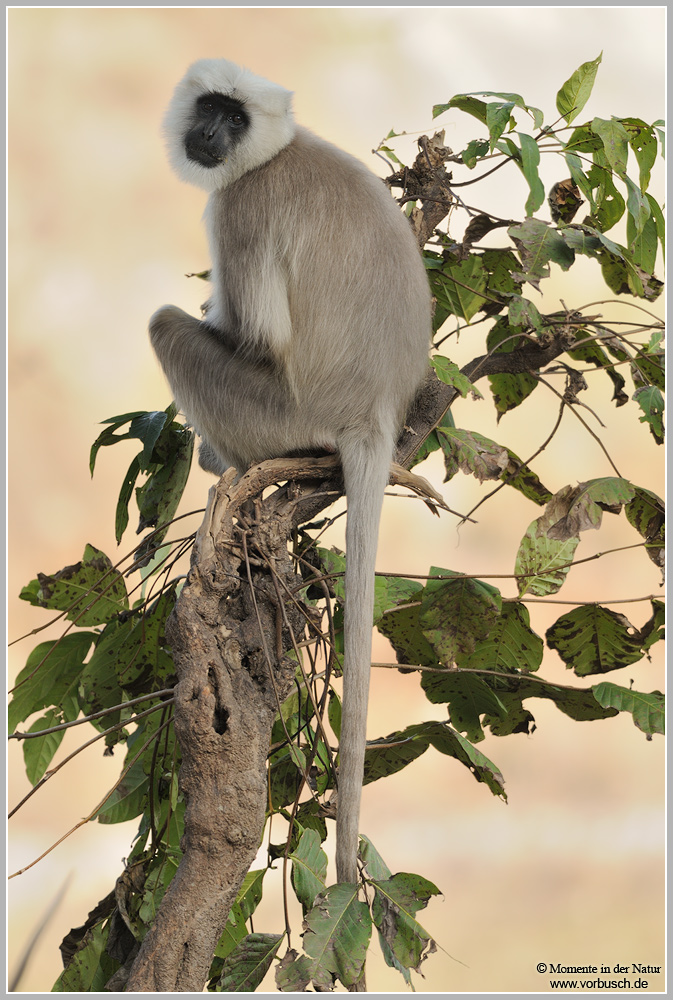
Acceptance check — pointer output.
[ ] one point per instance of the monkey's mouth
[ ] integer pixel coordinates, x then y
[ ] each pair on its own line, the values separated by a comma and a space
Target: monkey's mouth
204, 157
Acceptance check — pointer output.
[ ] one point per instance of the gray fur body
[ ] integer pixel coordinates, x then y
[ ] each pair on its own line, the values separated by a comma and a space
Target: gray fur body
316, 335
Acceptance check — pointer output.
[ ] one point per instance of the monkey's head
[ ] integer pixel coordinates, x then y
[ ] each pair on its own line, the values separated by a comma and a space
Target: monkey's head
223, 121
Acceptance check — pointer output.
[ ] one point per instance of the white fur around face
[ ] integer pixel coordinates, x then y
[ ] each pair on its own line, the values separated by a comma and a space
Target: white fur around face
268, 104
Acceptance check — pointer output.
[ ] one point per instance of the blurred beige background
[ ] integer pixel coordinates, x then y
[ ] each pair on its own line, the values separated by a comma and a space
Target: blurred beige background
101, 233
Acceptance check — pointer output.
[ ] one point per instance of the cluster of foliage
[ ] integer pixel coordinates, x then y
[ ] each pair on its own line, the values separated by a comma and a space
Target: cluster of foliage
475, 649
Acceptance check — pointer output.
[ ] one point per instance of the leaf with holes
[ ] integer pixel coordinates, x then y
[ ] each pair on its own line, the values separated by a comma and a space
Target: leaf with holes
397, 900
651, 402
91, 592
593, 640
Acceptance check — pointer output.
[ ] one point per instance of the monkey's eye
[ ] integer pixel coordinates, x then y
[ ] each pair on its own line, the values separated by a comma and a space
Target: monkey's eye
236, 119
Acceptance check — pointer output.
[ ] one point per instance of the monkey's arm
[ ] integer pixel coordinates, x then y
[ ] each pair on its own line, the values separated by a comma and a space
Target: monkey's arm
237, 401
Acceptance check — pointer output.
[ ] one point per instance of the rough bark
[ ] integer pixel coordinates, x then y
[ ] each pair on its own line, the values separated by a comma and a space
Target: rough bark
232, 676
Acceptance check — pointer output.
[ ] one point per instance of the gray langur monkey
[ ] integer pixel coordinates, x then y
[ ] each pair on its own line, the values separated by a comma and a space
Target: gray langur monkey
316, 334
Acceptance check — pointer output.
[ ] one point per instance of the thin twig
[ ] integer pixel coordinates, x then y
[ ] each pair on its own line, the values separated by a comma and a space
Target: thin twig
94, 739
100, 805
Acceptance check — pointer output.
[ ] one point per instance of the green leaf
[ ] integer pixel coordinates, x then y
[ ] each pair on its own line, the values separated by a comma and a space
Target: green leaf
643, 244
651, 402
498, 117
615, 141
647, 709
38, 753
165, 456
467, 695
510, 646
90, 592
250, 894
661, 135
431, 443
643, 142
403, 628
144, 425
124, 498
509, 391
159, 496
372, 860
608, 206
236, 929
391, 754
245, 968
530, 161
286, 771
293, 972
659, 221
159, 877
450, 374
130, 656
309, 869
396, 902
462, 102
538, 244
592, 353
336, 936
647, 514
90, 967
475, 150
579, 178
547, 548
583, 140
128, 799
333, 563
473, 454
458, 286
593, 640
542, 563
447, 741
50, 676
523, 313
576, 91
576, 703
654, 629
456, 612
639, 211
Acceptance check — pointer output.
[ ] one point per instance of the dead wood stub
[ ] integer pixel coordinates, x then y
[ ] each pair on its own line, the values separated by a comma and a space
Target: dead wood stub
231, 679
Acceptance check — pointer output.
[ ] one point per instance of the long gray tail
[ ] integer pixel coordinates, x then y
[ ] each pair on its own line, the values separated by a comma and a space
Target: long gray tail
366, 469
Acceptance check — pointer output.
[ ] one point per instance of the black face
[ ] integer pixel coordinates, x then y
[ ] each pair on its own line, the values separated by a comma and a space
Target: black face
219, 122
